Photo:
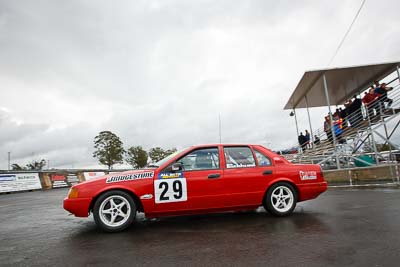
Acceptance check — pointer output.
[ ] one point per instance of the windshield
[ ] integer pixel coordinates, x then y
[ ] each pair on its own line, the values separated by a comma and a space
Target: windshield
164, 160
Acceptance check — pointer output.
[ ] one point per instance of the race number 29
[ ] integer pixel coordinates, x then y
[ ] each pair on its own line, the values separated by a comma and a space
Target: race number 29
170, 190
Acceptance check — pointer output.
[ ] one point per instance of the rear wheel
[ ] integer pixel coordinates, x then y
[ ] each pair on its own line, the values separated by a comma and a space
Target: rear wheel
114, 211
280, 199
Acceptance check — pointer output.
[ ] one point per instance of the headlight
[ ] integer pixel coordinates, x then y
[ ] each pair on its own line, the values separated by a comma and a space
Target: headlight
73, 193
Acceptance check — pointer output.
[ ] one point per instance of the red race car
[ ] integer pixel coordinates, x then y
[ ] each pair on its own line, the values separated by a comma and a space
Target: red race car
199, 179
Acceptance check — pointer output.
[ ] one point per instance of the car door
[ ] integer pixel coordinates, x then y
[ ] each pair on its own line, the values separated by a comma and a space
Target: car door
201, 180
246, 175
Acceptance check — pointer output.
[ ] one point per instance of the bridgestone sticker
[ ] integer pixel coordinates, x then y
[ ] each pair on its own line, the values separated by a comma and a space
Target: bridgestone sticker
170, 190
130, 177
309, 175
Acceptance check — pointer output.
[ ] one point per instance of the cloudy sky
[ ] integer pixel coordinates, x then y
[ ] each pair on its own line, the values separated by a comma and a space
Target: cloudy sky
158, 73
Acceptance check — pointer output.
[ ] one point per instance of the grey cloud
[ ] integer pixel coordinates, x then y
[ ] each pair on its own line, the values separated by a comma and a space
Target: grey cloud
28, 142
12, 131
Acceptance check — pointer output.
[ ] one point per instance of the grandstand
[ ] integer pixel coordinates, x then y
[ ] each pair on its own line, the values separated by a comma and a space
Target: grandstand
361, 142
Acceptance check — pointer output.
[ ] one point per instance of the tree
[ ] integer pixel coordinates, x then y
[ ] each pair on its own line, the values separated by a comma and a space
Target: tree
157, 153
108, 149
137, 157
170, 151
385, 147
36, 165
369, 147
17, 167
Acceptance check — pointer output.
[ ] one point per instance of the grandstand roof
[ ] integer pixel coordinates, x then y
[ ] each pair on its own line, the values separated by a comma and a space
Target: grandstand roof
343, 83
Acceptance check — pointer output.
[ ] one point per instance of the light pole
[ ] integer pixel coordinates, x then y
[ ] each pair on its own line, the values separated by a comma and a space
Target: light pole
9, 160
293, 113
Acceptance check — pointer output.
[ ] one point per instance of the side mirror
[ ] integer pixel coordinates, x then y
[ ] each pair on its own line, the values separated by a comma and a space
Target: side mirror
176, 167
278, 160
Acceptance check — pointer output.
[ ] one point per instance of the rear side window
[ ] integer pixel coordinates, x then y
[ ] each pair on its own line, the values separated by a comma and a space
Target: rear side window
239, 157
262, 159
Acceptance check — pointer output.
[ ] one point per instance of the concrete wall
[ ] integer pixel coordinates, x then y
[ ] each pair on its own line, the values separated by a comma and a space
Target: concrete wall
363, 175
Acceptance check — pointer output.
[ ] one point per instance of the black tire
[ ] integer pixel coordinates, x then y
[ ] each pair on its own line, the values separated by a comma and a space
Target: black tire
122, 219
288, 199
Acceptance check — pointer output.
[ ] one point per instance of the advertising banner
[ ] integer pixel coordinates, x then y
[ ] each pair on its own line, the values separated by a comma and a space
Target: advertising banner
64, 180
92, 175
13, 182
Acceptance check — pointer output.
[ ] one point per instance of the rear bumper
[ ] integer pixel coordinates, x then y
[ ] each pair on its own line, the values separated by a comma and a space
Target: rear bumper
311, 190
78, 206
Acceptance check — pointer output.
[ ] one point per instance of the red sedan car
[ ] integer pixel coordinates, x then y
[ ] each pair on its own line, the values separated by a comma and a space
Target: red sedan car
199, 179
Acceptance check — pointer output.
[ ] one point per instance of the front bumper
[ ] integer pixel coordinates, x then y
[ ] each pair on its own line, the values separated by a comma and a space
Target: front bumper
311, 190
78, 206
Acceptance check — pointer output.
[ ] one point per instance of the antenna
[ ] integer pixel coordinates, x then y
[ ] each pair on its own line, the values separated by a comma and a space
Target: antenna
219, 120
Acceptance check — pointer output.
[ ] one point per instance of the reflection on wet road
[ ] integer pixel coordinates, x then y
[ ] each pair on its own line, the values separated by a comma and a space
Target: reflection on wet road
340, 228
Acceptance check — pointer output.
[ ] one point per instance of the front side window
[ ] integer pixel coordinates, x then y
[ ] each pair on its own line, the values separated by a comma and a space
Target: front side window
239, 157
201, 159
262, 159
164, 160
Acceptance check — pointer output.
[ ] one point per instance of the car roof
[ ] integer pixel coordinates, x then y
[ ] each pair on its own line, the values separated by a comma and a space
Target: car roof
212, 145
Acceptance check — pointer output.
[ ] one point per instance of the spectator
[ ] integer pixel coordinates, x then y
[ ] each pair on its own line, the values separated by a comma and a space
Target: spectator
308, 139
346, 110
382, 92
348, 103
327, 128
337, 113
344, 114
376, 84
355, 115
317, 141
369, 101
302, 141
338, 130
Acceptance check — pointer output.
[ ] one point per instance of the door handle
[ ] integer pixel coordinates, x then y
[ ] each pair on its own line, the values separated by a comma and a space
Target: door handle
213, 176
267, 172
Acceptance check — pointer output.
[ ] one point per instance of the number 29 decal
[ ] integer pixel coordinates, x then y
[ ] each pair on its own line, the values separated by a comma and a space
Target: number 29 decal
170, 190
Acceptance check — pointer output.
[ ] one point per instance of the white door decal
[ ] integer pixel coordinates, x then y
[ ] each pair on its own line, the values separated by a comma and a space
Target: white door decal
170, 190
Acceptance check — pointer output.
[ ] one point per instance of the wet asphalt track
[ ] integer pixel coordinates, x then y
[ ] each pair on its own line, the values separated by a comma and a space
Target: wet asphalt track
340, 228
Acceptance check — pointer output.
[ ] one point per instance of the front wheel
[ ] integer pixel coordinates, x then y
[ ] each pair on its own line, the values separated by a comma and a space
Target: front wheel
280, 199
114, 211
